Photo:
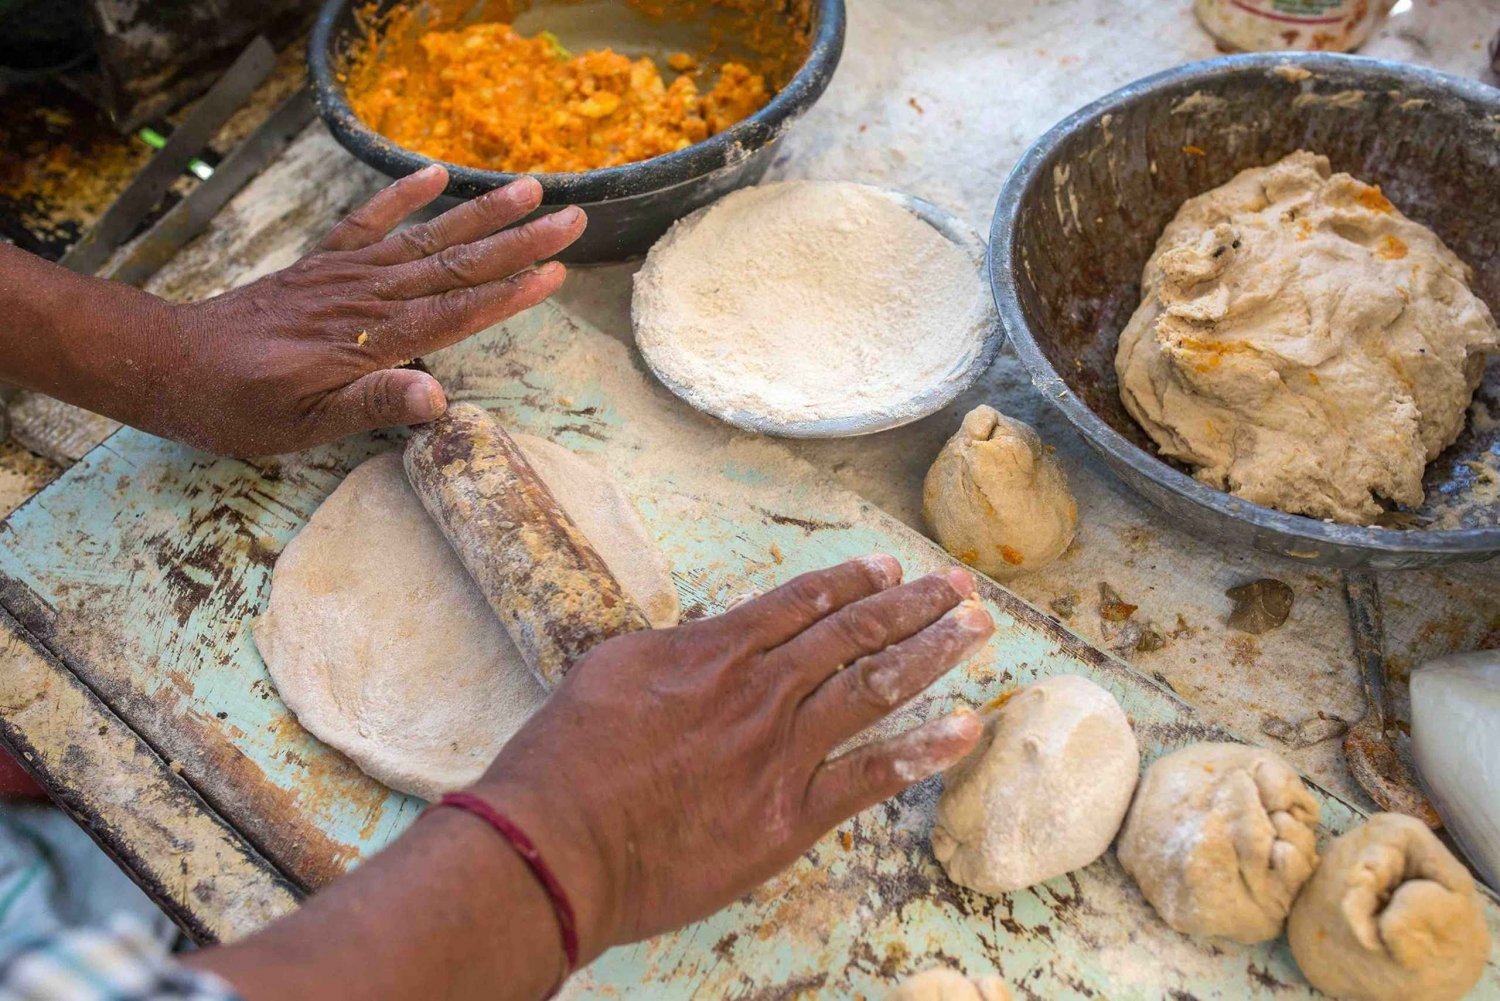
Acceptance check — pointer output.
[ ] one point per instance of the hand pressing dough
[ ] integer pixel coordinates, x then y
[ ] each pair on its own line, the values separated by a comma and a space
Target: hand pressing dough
1220, 839
1303, 344
383, 647
949, 985
996, 499
1044, 791
1390, 915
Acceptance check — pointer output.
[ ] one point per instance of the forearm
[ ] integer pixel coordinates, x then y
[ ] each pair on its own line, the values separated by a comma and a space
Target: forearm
98, 344
449, 911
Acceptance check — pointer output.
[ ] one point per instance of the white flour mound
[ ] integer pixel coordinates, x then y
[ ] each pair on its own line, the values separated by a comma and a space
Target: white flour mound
808, 300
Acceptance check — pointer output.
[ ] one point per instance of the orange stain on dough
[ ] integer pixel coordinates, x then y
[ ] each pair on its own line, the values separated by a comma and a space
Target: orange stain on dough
1391, 248
1372, 198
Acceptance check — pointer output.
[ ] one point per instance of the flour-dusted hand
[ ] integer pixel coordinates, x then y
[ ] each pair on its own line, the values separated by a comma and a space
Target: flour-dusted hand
674, 770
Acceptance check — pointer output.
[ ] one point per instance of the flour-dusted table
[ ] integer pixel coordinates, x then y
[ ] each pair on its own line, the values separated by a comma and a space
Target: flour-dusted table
129, 583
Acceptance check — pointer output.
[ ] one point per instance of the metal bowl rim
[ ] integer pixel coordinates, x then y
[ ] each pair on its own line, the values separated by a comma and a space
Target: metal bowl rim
589, 186
1002, 264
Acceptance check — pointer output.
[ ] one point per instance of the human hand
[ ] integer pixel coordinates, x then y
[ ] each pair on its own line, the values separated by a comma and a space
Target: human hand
674, 770
308, 354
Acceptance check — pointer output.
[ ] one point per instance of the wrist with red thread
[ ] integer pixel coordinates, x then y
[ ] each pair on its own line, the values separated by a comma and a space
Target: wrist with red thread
511, 832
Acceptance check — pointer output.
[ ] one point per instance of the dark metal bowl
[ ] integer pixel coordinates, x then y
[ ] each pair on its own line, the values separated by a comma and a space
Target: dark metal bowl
1083, 209
629, 206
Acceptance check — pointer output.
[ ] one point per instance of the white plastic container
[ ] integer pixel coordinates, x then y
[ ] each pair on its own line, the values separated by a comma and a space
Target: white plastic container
1301, 25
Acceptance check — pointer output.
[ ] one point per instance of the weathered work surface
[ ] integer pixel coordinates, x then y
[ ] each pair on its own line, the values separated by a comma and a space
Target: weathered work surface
144, 564
939, 100
191, 861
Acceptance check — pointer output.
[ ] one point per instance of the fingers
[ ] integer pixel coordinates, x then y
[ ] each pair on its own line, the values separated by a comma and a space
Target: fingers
487, 260
370, 223
874, 686
871, 774
437, 321
775, 617
465, 223
388, 398
872, 624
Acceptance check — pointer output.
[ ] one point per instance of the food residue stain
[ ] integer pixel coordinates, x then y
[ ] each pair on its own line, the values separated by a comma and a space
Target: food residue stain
1391, 248
1372, 198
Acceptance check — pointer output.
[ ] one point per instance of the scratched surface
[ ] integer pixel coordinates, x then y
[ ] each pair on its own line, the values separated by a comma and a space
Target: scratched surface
143, 565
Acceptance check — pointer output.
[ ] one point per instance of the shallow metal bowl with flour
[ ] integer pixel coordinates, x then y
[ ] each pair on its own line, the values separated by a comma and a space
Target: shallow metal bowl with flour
1083, 209
982, 342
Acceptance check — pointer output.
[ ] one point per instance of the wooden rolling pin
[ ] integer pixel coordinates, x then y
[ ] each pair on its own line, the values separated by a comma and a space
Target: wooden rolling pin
550, 588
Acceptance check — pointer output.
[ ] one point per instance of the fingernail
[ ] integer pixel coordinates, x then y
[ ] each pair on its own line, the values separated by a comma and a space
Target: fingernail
565, 218
432, 169
550, 268
524, 185
960, 580
424, 400
887, 569
974, 619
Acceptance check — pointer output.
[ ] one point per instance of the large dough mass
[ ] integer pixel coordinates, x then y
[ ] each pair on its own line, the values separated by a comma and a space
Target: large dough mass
1302, 344
381, 644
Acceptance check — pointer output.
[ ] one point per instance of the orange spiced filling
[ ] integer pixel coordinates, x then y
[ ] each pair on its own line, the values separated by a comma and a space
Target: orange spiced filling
484, 95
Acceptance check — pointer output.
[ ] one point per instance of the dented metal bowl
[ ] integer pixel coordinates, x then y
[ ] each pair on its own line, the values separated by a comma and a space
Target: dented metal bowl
1083, 209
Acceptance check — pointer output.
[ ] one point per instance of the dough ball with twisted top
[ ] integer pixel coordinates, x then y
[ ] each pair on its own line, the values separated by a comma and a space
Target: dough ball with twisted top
1220, 839
949, 985
996, 498
1390, 915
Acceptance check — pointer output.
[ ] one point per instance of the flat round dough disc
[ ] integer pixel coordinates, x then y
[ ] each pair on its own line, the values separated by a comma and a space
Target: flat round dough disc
382, 645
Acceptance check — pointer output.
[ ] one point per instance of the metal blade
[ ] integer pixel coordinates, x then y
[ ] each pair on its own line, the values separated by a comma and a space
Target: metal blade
144, 193
191, 216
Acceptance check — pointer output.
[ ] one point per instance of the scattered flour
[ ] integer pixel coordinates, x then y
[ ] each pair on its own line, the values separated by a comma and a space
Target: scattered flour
807, 301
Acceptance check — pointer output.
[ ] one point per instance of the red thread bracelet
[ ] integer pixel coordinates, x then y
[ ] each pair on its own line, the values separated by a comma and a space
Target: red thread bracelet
567, 923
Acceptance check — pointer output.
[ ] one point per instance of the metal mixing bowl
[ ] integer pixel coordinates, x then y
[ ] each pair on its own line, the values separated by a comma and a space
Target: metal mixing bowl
1083, 209
629, 206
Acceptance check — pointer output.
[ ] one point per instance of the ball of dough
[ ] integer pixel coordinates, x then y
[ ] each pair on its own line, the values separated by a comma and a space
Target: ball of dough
1044, 791
1220, 839
997, 499
949, 985
1390, 915
1303, 344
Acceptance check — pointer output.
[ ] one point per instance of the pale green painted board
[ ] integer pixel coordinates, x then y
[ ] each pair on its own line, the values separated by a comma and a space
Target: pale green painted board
142, 567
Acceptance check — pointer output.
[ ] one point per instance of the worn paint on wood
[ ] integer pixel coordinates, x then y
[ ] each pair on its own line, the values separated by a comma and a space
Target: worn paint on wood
141, 812
144, 564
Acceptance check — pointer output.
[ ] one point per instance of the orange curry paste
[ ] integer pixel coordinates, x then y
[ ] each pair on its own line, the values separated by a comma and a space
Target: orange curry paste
483, 95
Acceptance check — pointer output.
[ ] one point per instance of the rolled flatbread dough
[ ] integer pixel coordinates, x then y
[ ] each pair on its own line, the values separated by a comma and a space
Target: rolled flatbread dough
381, 644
